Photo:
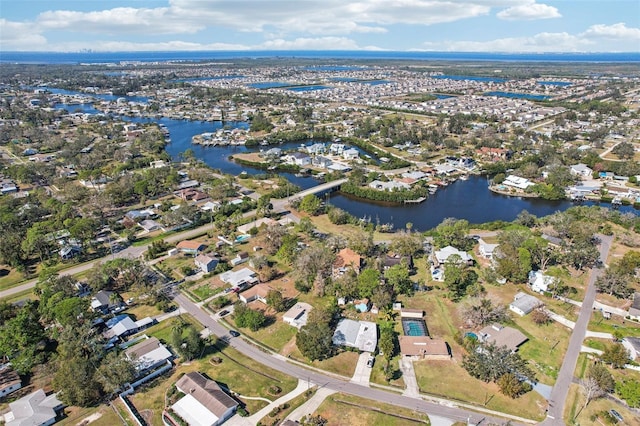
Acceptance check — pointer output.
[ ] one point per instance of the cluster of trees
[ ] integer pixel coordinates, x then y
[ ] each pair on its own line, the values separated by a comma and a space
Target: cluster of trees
394, 196
617, 279
507, 369
186, 340
260, 123
247, 317
315, 339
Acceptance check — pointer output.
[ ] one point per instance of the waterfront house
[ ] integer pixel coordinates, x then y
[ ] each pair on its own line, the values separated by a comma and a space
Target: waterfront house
321, 162
336, 148
34, 409
350, 154
298, 158
206, 263
524, 303
517, 182
388, 186
486, 250
204, 401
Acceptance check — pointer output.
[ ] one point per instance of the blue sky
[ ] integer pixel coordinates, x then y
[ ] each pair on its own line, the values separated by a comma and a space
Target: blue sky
402, 25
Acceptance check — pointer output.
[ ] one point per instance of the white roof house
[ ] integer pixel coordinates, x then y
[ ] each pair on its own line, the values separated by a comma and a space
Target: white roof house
443, 255
239, 278
581, 170
486, 250
362, 335
517, 182
388, 186
540, 282
524, 303
297, 315
148, 354
35, 409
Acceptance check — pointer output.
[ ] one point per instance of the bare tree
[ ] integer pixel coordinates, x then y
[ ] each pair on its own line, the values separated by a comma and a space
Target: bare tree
591, 390
483, 312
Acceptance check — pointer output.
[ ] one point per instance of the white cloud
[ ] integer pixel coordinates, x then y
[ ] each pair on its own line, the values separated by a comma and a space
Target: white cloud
321, 43
115, 46
20, 35
614, 32
542, 42
529, 12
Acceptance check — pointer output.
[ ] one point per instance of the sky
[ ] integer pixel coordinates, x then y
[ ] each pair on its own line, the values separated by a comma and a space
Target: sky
393, 25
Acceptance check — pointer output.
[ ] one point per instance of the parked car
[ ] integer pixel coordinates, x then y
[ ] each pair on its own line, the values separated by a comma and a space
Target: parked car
234, 333
223, 313
370, 362
616, 415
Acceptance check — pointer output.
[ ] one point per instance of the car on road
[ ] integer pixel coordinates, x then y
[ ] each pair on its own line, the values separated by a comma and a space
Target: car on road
223, 313
370, 362
234, 333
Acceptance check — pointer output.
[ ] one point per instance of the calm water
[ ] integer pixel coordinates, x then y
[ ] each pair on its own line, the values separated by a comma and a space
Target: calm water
470, 200
528, 96
308, 88
554, 83
219, 77
471, 78
269, 85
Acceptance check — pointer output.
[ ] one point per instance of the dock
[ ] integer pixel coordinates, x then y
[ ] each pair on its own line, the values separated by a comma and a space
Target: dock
416, 201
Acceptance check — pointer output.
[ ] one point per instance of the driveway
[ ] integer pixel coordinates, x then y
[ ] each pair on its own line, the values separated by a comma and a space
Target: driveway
409, 377
362, 373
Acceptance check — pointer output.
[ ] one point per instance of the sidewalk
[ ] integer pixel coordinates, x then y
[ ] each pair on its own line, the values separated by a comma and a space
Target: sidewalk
255, 418
311, 405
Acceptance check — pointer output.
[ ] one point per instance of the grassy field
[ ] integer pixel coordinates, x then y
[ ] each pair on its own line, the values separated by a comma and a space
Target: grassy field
378, 376
205, 291
276, 336
449, 379
233, 372
341, 409
163, 330
282, 414
575, 414
10, 277
628, 328
102, 415
344, 363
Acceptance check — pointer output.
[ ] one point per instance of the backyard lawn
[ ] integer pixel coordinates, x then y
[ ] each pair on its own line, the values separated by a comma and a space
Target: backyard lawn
275, 336
341, 409
448, 379
626, 327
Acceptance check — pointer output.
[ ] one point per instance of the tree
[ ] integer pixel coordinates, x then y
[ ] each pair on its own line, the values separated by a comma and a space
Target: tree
629, 390
275, 300
22, 339
315, 339
453, 232
186, 340
591, 390
624, 150
368, 280
483, 312
489, 362
115, 370
615, 355
511, 386
602, 376
314, 263
247, 317
458, 278
398, 277
615, 283
382, 296
388, 342
406, 243
540, 316
310, 204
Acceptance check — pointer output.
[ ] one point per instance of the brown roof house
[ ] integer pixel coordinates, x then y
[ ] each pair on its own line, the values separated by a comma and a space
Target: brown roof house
190, 247
502, 336
205, 403
257, 292
424, 347
345, 259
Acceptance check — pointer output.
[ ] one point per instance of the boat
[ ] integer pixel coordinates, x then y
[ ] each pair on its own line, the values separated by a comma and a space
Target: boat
464, 177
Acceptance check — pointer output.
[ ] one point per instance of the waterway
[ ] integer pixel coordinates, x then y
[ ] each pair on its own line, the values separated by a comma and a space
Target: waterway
470, 199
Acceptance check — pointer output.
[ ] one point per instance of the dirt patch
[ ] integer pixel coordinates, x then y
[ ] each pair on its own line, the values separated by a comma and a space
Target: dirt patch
289, 347
147, 415
89, 419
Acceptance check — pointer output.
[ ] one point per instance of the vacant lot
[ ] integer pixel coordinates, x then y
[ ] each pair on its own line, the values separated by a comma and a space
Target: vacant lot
341, 409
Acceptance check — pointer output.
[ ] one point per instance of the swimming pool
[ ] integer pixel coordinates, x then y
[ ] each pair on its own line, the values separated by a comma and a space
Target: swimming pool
242, 238
414, 327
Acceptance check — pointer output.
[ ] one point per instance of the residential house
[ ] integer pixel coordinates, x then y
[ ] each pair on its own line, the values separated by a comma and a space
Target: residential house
424, 347
191, 247
148, 354
553, 241
192, 195
395, 259
442, 256
104, 301
540, 282
502, 336
7, 186
347, 259
362, 335
70, 251
257, 292
206, 263
388, 186
35, 409
150, 225
485, 249
205, 403
122, 326
298, 158
315, 149
581, 170
241, 257
265, 221
240, 279
297, 315
336, 148
321, 162
272, 153
9, 381
524, 303
517, 182
350, 154
634, 309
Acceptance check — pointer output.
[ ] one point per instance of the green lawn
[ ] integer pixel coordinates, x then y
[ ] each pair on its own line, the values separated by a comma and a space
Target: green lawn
341, 409
275, 336
450, 380
378, 376
205, 291
163, 330
627, 327
277, 418
574, 414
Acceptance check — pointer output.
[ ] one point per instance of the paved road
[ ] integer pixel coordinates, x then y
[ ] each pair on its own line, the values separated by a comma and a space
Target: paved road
280, 363
565, 375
